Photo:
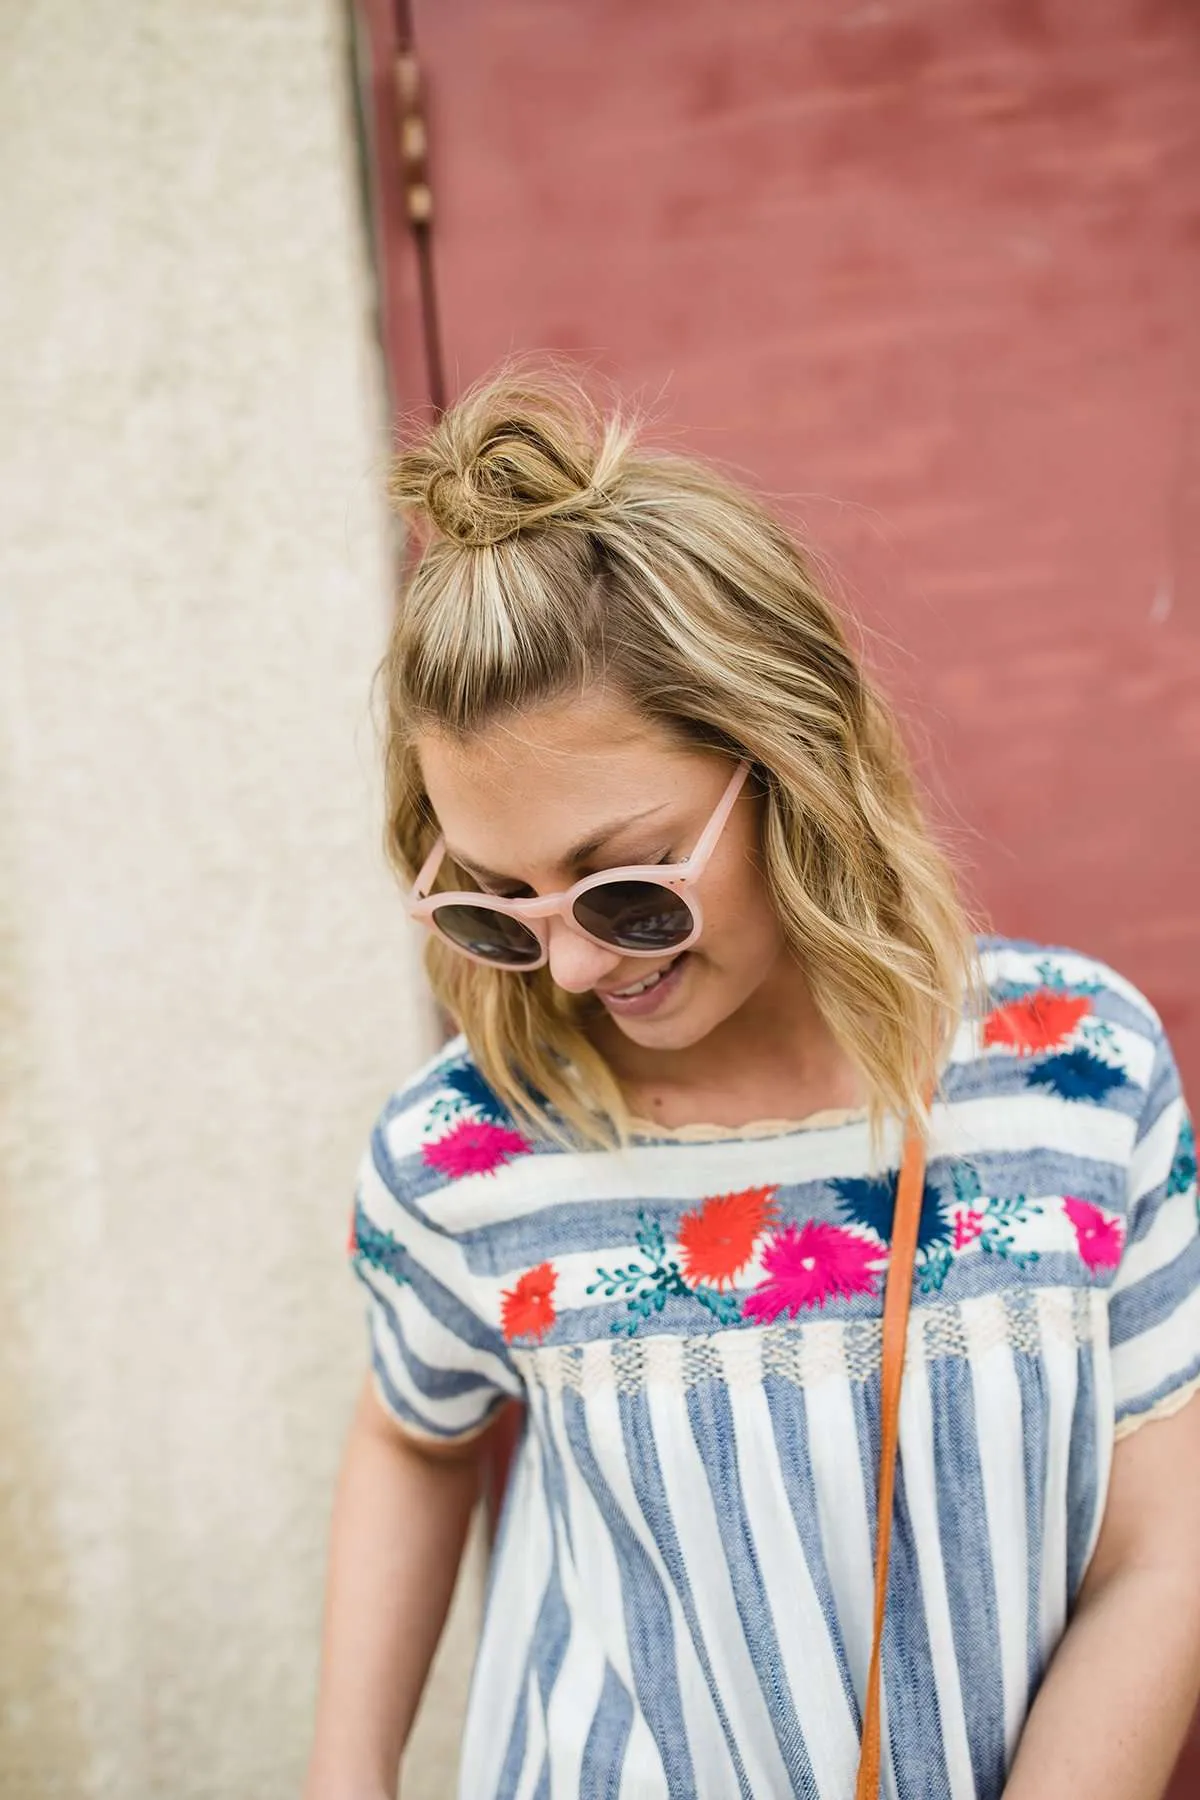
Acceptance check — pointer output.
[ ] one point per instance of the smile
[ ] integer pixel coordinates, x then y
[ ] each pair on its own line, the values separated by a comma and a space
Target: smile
640, 987
647, 994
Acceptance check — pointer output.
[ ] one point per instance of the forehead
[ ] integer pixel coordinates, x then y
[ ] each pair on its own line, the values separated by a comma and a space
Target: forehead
520, 792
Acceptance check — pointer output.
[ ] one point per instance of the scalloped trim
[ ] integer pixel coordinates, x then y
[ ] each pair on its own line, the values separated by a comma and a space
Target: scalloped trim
756, 1128
1162, 1409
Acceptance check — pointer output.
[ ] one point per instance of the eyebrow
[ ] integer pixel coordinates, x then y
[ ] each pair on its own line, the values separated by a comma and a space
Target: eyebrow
579, 853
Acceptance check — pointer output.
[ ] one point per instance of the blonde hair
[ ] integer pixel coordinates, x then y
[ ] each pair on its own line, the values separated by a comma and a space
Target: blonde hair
555, 552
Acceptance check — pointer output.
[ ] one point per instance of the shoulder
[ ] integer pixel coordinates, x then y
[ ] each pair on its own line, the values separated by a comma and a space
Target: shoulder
442, 1141
450, 1077
1015, 969
1059, 1021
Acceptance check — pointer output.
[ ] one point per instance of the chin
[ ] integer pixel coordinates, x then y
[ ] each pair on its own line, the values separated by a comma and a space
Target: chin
690, 1027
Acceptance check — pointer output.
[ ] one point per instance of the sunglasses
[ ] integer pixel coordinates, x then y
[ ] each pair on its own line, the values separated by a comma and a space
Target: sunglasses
638, 910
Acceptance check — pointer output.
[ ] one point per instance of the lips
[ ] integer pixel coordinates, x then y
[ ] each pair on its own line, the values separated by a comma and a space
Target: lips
647, 994
642, 986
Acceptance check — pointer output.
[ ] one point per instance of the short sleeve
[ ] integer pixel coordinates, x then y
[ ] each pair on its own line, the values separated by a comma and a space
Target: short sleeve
441, 1370
1154, 1308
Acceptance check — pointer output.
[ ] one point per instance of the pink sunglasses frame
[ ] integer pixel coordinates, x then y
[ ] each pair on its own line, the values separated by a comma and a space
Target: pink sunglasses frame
678, 878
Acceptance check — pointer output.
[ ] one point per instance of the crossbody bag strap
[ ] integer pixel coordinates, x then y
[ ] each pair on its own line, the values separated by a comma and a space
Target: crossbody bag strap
896, 1301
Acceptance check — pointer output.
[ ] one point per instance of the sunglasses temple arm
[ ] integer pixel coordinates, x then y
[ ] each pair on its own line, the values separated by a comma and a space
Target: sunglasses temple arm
698, 860
429, 869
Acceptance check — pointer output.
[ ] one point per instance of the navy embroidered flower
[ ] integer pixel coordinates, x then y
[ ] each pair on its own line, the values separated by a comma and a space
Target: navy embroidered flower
1077, 1075
466, 1081
871, 1201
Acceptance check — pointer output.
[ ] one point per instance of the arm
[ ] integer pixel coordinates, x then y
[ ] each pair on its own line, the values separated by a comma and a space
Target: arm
1113, 1711
400, 1519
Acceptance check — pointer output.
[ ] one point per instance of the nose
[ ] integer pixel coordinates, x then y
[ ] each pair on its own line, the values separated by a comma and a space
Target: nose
576, 964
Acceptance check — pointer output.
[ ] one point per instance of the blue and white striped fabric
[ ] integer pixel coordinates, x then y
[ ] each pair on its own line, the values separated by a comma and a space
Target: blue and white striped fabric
681, 1597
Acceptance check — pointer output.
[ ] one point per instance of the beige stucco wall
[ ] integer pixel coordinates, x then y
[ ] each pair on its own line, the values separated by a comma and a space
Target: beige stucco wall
206, 982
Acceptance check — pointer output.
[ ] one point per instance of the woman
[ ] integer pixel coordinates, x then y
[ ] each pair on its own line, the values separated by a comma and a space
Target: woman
708, 964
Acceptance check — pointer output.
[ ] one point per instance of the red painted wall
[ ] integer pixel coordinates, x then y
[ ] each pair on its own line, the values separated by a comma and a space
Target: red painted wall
931, 274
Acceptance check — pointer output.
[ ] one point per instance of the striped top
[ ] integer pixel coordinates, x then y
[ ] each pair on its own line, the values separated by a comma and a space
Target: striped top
681, 1598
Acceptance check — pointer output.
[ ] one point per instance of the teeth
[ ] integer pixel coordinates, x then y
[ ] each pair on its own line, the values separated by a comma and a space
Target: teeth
640, 987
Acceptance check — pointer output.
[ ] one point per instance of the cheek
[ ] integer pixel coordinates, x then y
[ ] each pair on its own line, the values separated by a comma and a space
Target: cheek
740, 926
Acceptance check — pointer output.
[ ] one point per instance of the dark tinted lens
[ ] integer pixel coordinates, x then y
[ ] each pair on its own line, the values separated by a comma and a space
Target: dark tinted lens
635, 915
490, 934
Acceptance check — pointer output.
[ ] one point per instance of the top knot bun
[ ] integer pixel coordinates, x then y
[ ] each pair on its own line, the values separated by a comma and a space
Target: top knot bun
510, 457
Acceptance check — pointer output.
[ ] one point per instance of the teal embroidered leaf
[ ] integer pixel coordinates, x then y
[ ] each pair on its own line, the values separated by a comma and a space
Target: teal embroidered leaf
1183, 1169
646, 1287
1001, 1217
933, 1266
725, 1308
1051, 975
378, 1248
967, 1190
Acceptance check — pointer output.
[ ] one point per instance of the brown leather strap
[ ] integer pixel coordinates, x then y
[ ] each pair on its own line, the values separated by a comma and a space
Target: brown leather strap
896, 1300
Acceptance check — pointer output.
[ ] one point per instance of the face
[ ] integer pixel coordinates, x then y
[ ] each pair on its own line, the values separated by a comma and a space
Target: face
532, 805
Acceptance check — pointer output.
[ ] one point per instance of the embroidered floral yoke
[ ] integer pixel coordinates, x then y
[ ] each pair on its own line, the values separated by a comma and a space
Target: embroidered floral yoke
680, 1603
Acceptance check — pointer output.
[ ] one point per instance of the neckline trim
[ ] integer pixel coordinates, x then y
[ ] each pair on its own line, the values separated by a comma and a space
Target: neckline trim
704, 1133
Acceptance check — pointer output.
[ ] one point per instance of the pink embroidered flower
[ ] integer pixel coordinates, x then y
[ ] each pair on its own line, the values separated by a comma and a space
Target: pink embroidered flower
475, 1147
968, 1225
806, 1264
1099, 1237
1041, 1021
527, 1310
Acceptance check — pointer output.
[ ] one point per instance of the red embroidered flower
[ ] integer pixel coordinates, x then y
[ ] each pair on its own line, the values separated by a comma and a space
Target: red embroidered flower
352, 1240
1099, 1237
717, 1238
968, 1225
806, 1264
527, 1310
1041, 1021
475, 1147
